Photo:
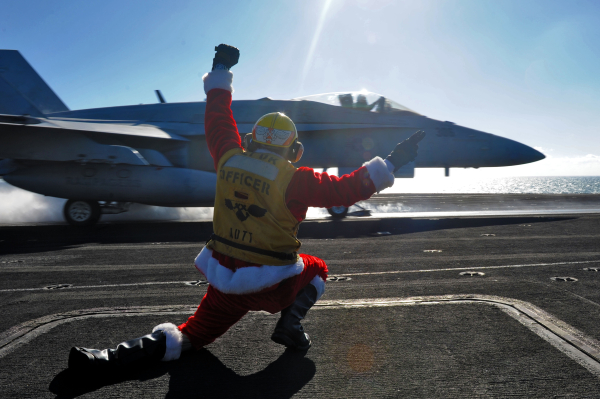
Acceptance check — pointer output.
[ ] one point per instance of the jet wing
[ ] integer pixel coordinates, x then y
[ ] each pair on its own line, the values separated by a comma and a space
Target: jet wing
183, 129
109, 127
27, 138
311, 127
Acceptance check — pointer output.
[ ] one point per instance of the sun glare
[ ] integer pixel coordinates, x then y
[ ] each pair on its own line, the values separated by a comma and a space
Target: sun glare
315, 40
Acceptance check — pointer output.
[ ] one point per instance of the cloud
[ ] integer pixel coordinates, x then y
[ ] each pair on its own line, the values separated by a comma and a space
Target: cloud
582, 165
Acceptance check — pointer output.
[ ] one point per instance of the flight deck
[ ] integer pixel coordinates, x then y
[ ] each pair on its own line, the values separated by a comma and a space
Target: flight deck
431, 306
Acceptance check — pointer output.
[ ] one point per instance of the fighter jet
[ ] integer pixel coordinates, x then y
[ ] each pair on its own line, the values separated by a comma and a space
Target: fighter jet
104, 159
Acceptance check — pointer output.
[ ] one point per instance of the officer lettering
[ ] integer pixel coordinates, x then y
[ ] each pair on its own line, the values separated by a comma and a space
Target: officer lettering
237, 233
244, 180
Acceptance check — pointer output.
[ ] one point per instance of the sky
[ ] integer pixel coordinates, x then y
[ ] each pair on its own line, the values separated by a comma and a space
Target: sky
522, 69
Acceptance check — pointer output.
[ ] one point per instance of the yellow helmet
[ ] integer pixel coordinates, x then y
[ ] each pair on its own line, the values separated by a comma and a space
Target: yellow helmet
275, 129
278, 131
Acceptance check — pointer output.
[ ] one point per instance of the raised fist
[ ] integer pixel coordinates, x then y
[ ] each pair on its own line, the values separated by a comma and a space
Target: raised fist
226, 55
406, 151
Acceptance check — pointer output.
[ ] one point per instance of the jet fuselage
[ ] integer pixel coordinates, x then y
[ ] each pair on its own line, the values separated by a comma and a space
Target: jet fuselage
157, 154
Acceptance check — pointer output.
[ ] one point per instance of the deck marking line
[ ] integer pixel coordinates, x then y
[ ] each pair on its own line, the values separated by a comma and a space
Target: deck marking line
340, 274
472, 268
575, 344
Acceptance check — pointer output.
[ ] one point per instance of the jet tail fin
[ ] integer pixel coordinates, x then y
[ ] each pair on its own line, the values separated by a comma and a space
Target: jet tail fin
22, 90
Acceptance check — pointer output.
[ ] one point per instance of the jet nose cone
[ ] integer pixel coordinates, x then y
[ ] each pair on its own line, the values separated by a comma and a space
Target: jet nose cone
529, 155
519, 154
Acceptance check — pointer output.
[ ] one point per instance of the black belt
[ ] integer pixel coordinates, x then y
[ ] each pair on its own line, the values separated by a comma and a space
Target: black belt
273, 254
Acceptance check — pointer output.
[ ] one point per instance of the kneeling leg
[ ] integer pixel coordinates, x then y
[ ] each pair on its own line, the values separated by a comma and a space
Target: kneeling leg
164, 343
289, 330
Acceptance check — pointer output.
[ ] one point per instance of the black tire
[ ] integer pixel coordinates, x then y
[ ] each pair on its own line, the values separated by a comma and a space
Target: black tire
338, 212
82, 213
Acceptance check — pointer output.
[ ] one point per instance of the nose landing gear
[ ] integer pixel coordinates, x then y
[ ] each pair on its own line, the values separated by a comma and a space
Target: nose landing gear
338, 212
82, 213
87, 213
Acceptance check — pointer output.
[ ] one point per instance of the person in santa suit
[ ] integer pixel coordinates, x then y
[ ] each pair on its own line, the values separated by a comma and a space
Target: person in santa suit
251, 261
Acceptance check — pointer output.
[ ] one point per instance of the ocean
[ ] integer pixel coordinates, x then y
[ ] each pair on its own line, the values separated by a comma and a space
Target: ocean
500, 185
19, 206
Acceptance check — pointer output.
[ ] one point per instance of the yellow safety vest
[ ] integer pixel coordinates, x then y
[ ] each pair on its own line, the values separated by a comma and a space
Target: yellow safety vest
251, 219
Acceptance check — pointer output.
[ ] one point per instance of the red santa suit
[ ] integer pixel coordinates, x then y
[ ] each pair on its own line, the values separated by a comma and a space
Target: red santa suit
238, 286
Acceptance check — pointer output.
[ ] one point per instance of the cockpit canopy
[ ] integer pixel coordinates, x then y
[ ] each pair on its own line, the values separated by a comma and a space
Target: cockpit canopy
363, 100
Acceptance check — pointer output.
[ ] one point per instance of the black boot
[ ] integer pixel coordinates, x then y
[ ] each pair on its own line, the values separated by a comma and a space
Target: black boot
149, 348
289, 331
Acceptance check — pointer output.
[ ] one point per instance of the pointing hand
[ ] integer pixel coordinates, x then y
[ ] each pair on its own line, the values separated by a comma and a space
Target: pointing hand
406, 151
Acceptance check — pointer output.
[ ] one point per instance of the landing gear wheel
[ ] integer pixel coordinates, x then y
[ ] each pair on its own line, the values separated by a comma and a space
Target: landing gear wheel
338, 212
82, 213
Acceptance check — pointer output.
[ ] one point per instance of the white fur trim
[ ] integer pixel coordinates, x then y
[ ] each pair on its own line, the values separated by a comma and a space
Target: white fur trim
379, 173
218, 79
174, 341
319, 284
244, 280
